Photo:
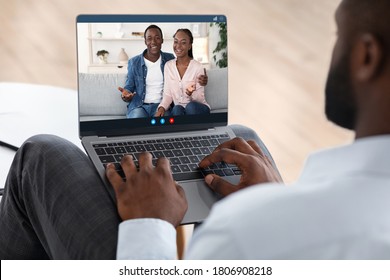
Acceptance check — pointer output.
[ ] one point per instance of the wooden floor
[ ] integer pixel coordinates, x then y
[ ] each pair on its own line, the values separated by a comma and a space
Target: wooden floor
279, 52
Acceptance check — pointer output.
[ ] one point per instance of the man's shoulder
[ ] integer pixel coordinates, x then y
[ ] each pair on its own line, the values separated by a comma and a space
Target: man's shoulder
167, 56
305, 220
255, 203
136, 59
246, 202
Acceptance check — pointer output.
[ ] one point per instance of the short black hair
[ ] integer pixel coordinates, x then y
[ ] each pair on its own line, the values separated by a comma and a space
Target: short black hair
369, 16
153, 26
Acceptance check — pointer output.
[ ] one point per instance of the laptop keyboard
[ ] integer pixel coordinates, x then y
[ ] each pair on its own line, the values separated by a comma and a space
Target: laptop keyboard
184, 154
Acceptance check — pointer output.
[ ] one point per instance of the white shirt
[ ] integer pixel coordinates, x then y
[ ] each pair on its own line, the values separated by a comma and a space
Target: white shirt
338, 209
154, 82
175, 87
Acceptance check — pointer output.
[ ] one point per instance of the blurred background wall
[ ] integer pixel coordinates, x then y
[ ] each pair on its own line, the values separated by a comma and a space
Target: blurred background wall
279, 54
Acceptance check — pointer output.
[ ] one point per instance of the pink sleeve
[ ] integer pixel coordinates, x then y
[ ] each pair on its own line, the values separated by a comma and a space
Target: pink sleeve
198, 94
167, 96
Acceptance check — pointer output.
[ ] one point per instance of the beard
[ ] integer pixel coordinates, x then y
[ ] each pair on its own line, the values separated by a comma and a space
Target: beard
340, 107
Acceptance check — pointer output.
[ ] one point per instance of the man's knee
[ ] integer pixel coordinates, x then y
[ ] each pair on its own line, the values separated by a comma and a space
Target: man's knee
40, 142
44, 139
137, 113
46, 146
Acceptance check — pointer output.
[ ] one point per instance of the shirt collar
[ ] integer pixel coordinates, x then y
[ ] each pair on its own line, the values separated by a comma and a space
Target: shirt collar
365, 155
143, 58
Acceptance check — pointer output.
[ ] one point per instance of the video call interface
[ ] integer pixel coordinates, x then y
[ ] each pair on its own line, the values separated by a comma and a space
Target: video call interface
111, 88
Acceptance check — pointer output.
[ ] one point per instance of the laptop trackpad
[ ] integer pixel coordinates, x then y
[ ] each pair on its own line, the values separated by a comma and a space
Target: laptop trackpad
200, 199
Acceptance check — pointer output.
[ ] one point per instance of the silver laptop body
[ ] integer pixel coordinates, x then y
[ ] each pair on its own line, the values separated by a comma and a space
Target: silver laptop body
107, 134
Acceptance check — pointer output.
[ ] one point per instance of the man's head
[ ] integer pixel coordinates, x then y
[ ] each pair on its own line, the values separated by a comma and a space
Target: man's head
359, 75
153, 39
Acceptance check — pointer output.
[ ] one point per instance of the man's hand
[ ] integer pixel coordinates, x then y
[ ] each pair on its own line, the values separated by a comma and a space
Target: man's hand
150, 192
126, 95
203, 79
247, 155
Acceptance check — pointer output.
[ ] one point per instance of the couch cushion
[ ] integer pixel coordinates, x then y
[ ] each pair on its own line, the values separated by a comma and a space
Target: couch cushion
216, 90
100, 95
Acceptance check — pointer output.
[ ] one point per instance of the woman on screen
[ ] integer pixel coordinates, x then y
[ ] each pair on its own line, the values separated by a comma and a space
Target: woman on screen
181, 84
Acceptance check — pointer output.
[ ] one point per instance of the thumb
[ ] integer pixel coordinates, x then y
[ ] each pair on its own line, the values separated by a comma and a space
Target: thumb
182, 194
120, 89
115, 180
219, 185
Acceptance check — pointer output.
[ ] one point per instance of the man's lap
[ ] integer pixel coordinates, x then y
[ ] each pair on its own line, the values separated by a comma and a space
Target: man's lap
54, 189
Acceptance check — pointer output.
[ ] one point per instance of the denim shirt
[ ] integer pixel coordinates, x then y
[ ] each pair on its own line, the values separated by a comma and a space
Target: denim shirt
136, 77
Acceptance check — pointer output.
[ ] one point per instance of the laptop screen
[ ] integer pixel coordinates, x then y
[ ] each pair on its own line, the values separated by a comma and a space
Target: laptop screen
151, 73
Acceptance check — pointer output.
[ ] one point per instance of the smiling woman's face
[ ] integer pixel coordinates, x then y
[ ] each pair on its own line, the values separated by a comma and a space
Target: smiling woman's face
181, 44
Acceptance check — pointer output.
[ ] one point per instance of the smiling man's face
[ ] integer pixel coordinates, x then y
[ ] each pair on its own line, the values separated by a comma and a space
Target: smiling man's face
153, 41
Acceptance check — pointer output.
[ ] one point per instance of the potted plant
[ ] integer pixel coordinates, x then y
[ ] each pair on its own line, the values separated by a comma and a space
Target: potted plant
102, 55
220, 52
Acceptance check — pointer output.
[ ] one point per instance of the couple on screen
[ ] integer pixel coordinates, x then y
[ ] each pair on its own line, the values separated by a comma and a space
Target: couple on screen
155, 79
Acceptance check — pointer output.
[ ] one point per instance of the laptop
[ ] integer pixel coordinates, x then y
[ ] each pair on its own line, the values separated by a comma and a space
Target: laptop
107, 134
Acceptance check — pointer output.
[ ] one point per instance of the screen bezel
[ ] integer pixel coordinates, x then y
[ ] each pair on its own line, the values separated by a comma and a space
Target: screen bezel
121, 127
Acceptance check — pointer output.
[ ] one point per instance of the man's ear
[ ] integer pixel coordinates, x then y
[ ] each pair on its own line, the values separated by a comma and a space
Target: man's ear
367, 57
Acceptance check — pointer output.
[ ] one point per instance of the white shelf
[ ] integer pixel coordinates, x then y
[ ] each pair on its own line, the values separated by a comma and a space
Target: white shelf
118, 65
132, 44
116, 39
107, 68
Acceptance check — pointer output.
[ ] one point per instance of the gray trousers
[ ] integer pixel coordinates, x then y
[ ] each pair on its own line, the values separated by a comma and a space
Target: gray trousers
55, 205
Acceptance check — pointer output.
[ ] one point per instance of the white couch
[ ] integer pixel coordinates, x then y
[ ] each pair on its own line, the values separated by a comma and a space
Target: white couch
100, 98
55, 112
